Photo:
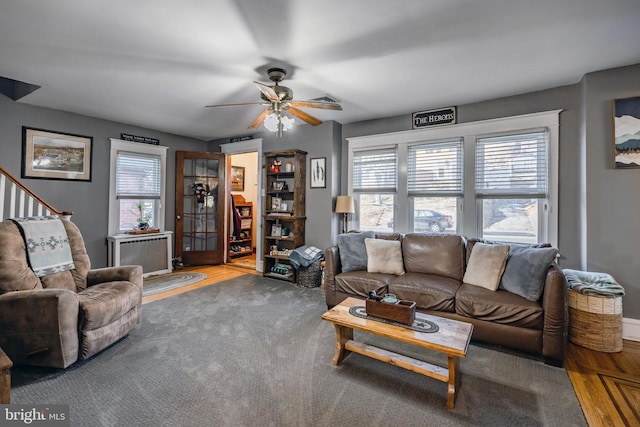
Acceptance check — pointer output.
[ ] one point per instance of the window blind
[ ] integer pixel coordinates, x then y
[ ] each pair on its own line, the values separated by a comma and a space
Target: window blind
512, 165
375, 170
435, 168
138, 176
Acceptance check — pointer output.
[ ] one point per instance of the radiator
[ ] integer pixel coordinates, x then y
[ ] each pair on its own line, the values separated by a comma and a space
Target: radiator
151, 251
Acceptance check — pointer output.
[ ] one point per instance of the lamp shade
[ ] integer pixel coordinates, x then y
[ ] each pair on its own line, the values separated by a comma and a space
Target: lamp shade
344, 204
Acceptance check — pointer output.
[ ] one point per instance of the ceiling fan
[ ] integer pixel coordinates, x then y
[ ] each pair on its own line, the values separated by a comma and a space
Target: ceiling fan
279, 99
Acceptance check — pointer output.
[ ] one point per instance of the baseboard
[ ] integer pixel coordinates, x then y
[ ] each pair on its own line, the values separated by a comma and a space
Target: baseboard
630, 329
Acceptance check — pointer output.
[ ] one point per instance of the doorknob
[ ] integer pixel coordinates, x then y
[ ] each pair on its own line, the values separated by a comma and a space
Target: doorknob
178, 217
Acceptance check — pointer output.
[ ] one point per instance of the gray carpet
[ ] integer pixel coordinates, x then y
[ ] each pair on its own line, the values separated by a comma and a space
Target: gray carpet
254, 352
164, 282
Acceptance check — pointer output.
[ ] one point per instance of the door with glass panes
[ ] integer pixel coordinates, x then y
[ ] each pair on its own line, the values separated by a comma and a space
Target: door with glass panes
199, 229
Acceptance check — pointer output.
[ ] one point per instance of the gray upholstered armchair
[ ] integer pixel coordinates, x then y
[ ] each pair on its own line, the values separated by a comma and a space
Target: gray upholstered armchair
57, 319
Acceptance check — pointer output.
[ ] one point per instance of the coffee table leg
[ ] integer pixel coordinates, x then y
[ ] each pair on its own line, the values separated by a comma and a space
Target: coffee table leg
343, 334
453, 379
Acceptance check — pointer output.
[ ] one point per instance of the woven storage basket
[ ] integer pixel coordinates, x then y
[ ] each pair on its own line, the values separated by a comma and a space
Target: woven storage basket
309, 277
595, 321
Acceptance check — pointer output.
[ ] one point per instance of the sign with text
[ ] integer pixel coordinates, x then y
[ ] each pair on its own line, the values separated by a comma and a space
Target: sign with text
441, 116
35, 415
136, 138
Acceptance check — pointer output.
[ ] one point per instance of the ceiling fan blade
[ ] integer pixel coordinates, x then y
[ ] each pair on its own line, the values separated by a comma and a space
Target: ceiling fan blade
316, 104
238, 104
304, 116
267, 91
258, 121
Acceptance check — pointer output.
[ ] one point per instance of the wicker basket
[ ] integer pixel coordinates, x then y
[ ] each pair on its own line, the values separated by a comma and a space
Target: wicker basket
595, 321
309, 277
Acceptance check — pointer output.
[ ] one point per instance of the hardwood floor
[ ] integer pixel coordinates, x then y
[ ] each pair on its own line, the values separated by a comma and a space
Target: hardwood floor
215, 274
607, 384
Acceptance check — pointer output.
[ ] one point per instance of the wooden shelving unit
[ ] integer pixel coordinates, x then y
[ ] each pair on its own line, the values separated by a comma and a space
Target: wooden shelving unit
242, 245
284, 212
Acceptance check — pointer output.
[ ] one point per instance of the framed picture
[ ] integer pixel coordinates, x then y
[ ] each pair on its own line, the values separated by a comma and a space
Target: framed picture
237, 178
278, 185
626, 133
53, 155
276, 203
318, 172
276, 230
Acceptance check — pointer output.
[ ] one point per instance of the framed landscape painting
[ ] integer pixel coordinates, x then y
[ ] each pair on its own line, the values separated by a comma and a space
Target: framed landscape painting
53, 155
626, 133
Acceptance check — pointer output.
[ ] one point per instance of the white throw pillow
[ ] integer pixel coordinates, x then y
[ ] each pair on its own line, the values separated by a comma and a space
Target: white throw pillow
486, 265
384, 256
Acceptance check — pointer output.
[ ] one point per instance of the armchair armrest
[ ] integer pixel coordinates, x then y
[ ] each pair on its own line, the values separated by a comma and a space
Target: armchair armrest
331, 269
556, 316
128, 273
40, 327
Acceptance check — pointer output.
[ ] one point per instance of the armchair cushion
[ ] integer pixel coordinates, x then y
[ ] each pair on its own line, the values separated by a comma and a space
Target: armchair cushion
103, 303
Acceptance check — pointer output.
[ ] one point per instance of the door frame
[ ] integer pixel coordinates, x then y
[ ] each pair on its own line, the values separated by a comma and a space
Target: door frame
241, 147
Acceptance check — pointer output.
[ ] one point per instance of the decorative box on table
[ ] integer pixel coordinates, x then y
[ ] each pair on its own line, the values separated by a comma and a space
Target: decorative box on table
402, 312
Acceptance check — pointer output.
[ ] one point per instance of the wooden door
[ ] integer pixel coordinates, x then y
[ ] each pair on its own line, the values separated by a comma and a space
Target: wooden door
200, 184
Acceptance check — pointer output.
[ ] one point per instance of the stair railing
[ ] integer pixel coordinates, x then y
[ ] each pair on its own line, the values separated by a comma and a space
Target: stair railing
19, 201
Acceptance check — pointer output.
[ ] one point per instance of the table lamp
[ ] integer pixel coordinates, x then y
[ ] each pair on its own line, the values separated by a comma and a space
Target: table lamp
345, 206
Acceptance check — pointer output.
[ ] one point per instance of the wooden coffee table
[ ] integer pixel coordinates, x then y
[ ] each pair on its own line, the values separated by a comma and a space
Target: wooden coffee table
451, 339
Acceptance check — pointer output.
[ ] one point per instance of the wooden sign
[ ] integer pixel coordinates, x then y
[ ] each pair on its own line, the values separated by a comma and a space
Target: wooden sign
441, 116
136, 138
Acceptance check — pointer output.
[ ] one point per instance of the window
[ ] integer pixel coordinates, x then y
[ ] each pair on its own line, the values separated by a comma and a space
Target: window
137, 185
434, 181
374, 187
511, 185
496, 179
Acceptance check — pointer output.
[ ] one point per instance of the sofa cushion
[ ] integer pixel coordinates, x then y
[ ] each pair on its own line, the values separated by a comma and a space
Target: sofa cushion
15, 274
103, 303
361, 282
438, 254
430, 292
353, 252
486, 265
384, 256
526, 269
499, 307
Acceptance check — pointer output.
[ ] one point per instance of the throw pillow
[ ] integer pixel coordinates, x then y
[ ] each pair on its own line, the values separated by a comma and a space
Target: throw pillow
526, 270
486, 265
384, 256
353, 252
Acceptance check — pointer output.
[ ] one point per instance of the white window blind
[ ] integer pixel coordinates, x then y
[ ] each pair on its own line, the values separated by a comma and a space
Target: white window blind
138, 176
512, 165
435, 168
375, 170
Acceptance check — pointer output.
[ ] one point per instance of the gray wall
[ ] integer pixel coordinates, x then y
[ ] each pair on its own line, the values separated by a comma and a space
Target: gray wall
87, 200
598, 205
612, 229
599, 229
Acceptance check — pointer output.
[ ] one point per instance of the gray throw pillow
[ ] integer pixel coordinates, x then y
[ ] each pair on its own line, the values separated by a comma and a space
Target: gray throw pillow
526, 271
353, 252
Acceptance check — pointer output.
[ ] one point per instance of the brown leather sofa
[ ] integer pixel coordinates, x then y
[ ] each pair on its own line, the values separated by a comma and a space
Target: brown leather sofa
57, 319
435, 266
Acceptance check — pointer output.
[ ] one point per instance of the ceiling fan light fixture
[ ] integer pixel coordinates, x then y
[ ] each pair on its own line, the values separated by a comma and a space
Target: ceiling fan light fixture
276, 122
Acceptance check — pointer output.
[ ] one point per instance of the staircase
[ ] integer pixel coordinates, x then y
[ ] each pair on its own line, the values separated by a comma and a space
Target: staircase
18, 201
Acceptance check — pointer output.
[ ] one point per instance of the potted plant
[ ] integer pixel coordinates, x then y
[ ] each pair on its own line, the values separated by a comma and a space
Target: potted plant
142, 217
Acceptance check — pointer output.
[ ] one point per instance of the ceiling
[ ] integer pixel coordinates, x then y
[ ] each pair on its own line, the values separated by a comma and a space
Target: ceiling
157, 63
